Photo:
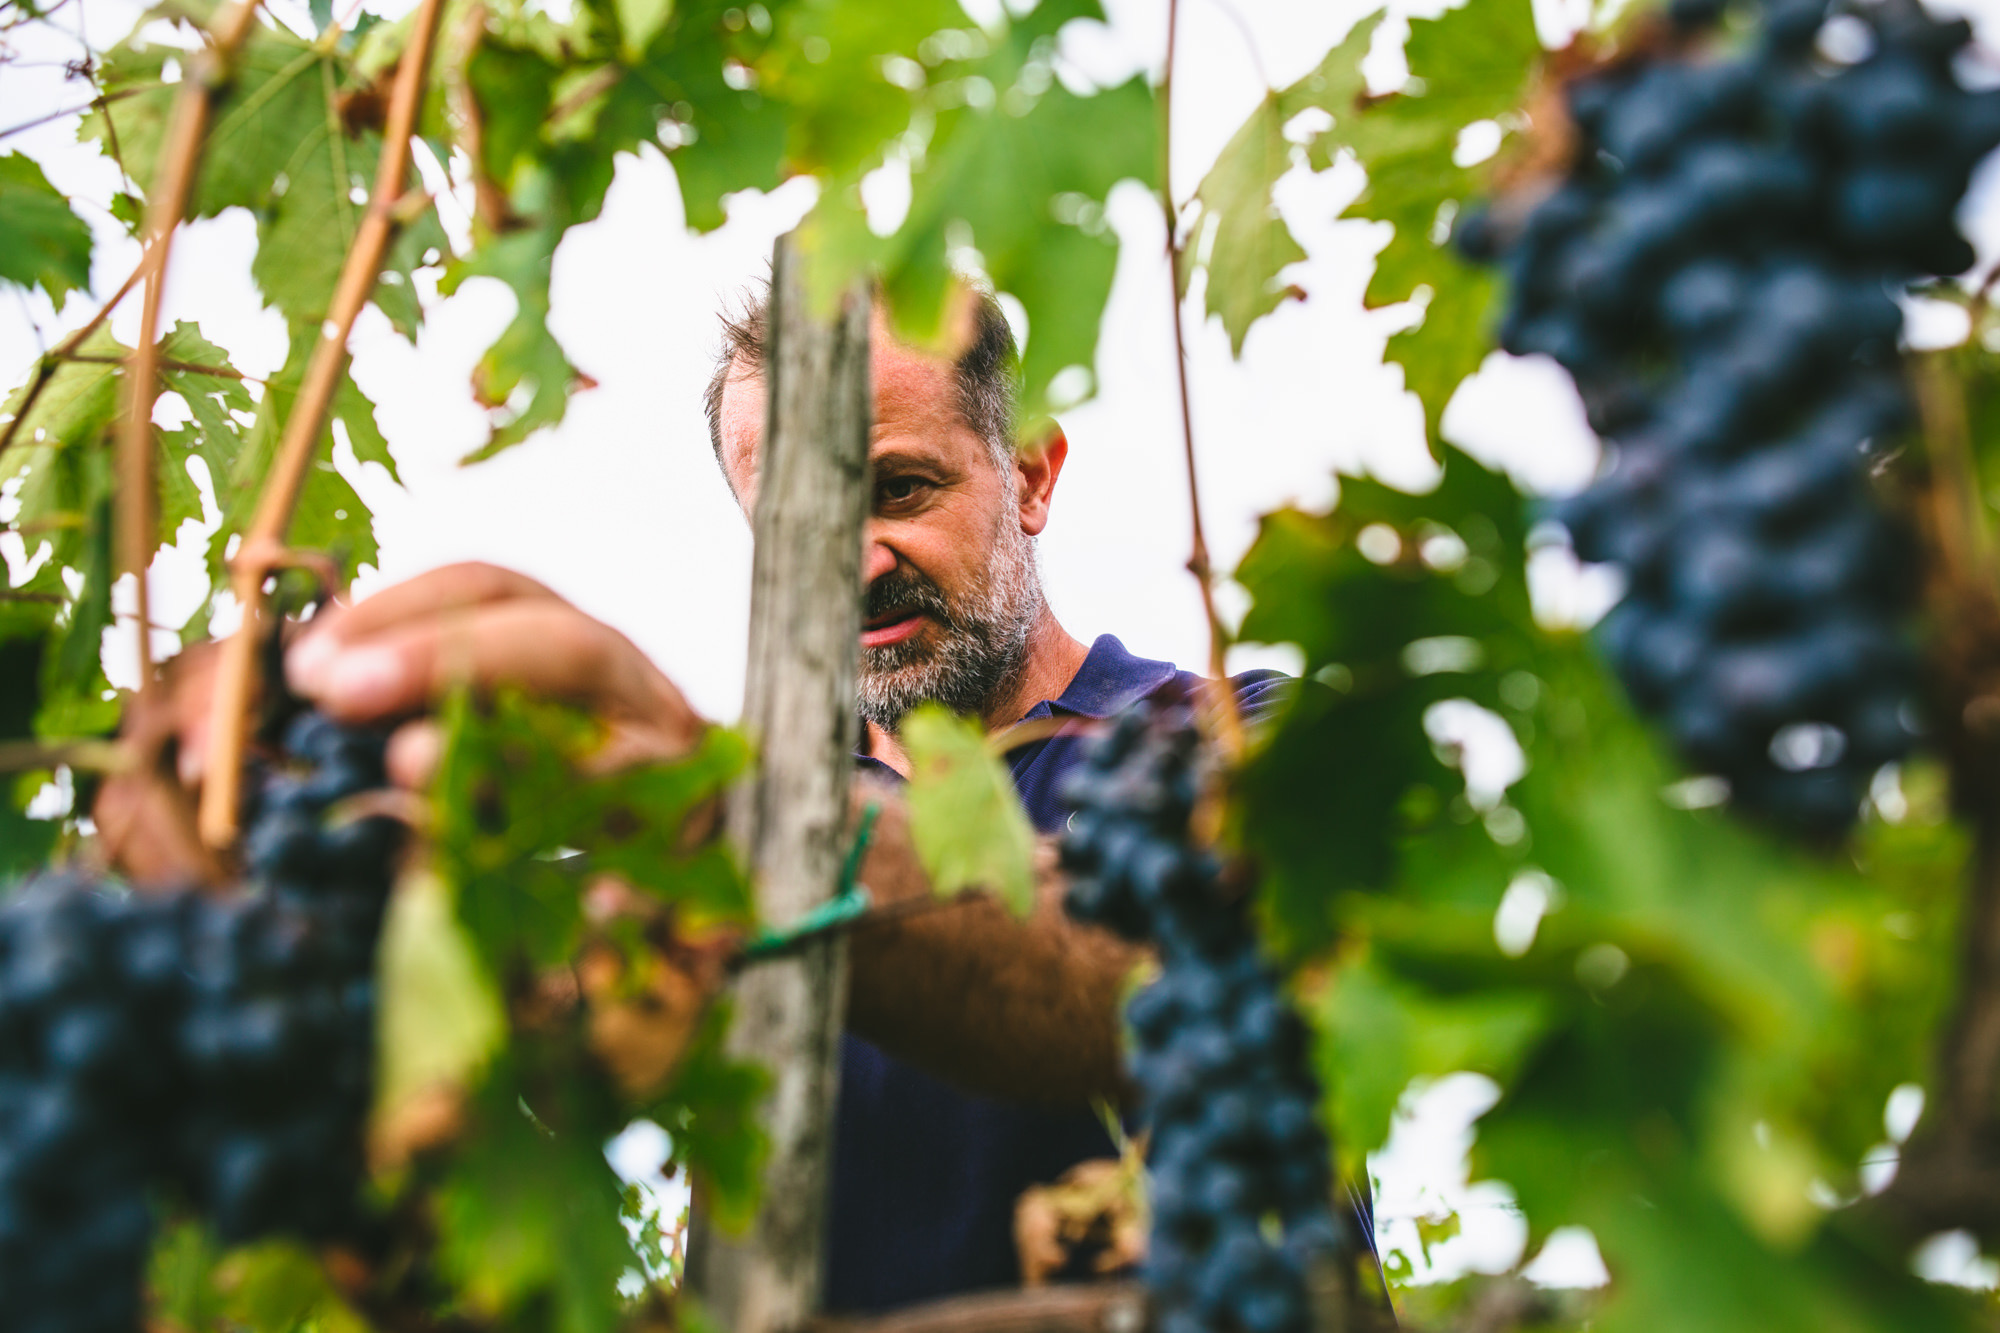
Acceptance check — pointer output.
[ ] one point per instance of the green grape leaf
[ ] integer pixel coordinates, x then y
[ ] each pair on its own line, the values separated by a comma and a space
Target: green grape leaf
328, 516
289, 142
724, 133
1234, 220
1363, 627
25, 621
524, 377
43, 243
1469, 64
965, 816
515, 852
528, 1218
1621, 1163
1452, 340
24, 843
76, 659
1016, 166
57, 457
1378, 1032
515, 87
420, 242
632, 824
214, 431
712, 1114
830, 67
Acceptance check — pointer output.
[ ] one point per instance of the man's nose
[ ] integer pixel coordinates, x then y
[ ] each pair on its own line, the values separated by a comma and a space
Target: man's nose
876, 559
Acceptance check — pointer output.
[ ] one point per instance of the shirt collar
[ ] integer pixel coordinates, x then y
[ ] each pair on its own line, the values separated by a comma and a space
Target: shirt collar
1110, 680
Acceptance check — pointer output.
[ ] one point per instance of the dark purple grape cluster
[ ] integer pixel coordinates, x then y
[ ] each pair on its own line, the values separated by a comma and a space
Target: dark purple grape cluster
1241, 1186
1718, 272
210, 1051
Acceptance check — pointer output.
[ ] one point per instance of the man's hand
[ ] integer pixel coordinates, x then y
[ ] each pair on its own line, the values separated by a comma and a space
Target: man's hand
392, 656
388, 659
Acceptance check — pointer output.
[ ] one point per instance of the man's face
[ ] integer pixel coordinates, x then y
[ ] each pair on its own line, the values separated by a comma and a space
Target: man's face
949, 560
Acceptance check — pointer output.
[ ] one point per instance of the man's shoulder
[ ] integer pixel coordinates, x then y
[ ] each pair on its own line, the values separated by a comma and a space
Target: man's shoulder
1260, 693
1113, 678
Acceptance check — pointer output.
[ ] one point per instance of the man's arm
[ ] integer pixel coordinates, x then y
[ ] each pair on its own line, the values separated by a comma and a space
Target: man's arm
1025, 1008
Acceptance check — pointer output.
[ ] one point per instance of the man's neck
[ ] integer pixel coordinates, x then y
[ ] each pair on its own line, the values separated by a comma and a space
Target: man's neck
1052, 662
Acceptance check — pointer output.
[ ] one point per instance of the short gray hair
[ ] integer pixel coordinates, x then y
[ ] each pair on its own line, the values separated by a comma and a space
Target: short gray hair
989, 369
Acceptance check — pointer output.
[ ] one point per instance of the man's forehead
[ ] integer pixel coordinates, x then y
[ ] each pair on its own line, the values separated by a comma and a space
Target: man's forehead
908, 382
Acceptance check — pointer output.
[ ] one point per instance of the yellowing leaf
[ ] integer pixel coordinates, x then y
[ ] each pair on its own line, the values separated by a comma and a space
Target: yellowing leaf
965, 816
277, 1286
441, 1018
639, 21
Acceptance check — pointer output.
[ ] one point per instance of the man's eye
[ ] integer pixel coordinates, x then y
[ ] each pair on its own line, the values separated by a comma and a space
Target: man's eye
899, 489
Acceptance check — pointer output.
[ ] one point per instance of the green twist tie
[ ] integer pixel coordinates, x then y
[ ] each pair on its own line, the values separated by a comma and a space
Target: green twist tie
851, 901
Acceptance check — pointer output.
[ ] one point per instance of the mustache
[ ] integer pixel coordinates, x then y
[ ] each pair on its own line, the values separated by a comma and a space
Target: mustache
907, 590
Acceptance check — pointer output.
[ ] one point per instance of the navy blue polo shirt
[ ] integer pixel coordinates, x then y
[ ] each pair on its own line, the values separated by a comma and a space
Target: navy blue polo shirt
924, 1175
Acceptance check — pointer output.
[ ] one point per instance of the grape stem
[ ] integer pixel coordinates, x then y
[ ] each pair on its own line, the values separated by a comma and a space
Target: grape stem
166, 204
1950, 1173
263, 542
65, 113
1227, 721
1964, 540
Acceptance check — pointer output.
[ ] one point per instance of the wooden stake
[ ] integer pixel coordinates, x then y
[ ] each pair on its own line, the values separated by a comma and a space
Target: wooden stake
791, 820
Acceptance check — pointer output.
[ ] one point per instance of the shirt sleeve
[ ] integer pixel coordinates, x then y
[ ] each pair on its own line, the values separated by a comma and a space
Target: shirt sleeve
1262, 694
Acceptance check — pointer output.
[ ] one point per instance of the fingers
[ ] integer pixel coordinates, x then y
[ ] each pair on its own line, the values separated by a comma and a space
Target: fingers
414, 751
453, 588
542, 646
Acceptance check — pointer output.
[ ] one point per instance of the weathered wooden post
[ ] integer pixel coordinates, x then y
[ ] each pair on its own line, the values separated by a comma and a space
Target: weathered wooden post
791, 820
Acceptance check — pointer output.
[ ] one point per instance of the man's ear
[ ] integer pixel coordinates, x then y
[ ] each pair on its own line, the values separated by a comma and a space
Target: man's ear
1037, 464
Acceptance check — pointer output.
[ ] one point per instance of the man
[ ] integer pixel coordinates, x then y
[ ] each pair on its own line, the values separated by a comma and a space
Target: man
978, 1043
926, 1173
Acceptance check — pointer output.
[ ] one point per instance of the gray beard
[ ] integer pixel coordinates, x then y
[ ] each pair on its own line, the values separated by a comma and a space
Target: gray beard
976, 649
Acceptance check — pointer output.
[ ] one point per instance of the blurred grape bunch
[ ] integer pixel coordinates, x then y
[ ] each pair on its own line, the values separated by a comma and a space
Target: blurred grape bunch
1718, 271
1219, 1055
219, 1047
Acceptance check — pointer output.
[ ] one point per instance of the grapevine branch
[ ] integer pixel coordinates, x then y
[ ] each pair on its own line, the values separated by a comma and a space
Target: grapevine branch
166, 203
263, 541
1229, 721
92, 755
66, 350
